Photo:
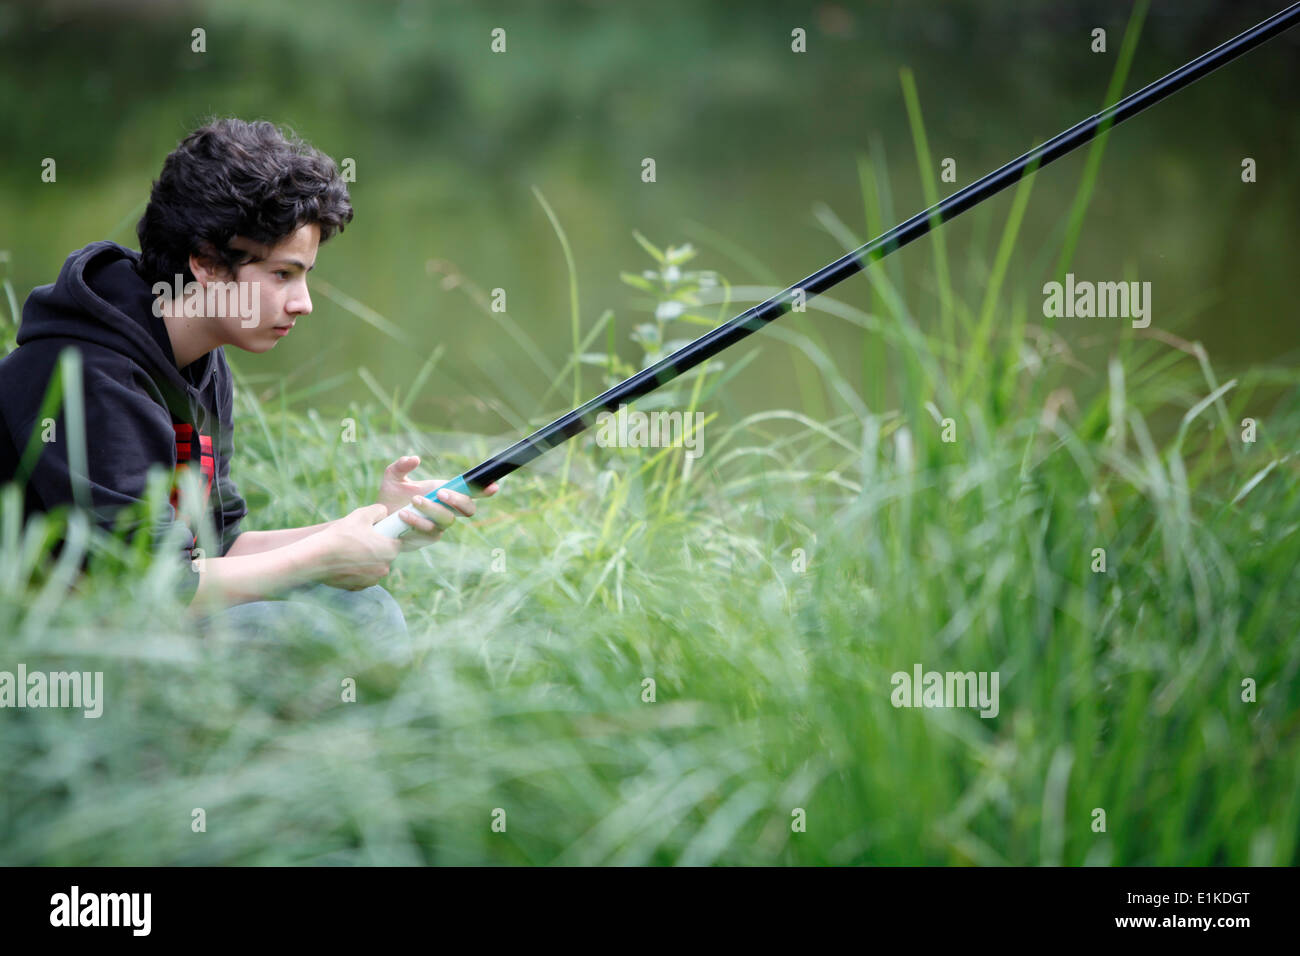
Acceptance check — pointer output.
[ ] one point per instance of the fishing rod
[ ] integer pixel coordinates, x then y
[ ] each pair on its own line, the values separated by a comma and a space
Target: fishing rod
731, 332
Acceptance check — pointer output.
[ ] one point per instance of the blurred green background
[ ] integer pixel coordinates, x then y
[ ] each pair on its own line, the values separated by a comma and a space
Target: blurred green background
750, 141
1122, 684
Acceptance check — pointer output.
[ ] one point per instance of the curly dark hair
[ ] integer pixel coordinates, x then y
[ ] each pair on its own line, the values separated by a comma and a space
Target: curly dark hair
233, 178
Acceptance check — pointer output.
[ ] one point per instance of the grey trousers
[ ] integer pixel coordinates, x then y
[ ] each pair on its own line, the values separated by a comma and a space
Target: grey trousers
371, 615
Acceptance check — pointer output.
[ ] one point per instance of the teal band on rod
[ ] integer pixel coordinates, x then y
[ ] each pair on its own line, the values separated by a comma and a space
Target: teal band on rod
456, 484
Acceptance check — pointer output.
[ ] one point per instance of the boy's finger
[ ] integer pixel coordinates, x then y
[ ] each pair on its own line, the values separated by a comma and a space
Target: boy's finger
437, 510
417, 522
461, 501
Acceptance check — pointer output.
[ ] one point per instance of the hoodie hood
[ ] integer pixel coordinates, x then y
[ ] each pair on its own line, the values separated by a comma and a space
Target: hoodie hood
100, 297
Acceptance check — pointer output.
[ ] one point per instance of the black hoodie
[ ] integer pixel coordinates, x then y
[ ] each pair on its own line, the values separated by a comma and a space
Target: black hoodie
141, 409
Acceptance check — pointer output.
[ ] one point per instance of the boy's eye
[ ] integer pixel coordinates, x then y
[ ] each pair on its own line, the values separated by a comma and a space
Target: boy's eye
282, 273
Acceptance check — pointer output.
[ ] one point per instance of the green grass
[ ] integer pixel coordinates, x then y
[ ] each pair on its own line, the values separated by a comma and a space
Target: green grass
1119, 690
770, 589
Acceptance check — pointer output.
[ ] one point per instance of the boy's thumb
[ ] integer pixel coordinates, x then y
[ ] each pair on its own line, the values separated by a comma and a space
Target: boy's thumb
373, 513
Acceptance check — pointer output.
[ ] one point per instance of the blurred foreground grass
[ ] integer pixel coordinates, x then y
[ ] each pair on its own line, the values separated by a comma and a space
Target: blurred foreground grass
536, 623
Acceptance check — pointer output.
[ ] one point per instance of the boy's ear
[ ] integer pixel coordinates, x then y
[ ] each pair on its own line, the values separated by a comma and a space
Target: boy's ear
202, 269
207, 267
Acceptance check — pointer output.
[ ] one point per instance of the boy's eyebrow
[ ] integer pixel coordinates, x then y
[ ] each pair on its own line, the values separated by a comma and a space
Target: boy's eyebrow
295, 262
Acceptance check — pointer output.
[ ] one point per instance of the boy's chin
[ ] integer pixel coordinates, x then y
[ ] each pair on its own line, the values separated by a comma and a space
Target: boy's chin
259, 345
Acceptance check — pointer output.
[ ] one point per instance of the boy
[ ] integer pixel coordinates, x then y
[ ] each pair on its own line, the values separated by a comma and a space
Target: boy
233, 225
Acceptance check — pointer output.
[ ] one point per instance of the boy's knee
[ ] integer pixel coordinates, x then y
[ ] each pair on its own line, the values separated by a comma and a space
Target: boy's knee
372, 613
369, 612
380, 609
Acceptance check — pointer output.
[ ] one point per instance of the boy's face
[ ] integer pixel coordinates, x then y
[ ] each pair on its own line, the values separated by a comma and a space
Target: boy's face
277, 279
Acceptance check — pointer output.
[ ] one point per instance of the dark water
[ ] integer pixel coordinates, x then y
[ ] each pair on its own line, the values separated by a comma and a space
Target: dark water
747, 136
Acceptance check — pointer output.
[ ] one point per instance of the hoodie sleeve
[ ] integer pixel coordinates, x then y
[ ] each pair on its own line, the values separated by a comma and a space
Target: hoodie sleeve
127, 432
233, 507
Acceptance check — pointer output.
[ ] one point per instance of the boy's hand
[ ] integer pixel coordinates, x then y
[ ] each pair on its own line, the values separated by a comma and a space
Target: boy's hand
347, 553
396, 491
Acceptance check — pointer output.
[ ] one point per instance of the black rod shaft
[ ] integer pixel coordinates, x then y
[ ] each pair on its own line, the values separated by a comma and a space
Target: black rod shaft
731, 332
